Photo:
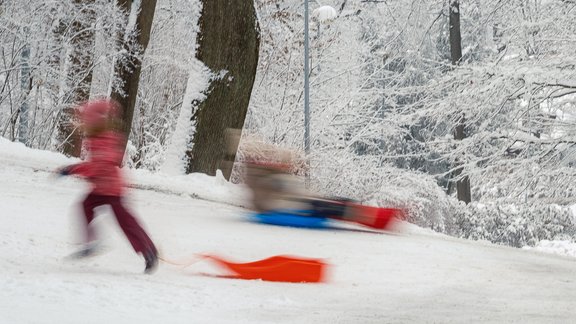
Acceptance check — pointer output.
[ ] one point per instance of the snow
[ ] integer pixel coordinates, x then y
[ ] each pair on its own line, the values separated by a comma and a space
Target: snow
198, 81
406, 276
560, 247
454, 9
132, 17
325, 13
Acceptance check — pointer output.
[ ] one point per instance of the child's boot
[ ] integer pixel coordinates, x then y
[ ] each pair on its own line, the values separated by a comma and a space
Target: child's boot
151, 258
87, 250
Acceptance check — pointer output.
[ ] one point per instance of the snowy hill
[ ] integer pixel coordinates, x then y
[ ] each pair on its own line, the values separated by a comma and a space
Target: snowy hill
409, 276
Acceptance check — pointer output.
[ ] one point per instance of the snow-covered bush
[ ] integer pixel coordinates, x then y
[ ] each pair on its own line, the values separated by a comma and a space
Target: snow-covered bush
372, 182
514, 225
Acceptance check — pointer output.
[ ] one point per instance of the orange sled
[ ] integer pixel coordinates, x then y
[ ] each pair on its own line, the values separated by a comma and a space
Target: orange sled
276, 268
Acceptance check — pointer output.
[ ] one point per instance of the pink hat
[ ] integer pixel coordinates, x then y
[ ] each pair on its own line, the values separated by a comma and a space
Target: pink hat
97, 112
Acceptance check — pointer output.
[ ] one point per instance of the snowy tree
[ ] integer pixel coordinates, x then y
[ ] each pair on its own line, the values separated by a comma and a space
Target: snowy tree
79, 62
396, 118
228, 45
168, 64
62, 59
462, 184
129, 64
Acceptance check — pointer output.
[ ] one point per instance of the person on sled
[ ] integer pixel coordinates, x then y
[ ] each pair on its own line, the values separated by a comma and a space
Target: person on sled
274, 176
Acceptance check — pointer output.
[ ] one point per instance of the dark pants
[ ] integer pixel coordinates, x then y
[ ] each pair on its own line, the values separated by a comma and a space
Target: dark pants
134, 232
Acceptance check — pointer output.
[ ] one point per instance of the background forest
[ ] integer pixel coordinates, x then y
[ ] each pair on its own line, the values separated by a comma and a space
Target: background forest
396, 118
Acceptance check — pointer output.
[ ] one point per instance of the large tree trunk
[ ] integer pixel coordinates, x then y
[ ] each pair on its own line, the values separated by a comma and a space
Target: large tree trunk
79, 78
128, 68
455, 36
463, 184
229, 42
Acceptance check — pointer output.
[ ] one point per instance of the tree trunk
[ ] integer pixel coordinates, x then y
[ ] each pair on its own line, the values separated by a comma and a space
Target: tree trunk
229, 42
79, 76
455, 36
128, 68
25, 86
462, 185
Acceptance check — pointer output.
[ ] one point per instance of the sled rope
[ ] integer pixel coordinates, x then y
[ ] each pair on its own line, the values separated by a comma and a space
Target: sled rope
183, 264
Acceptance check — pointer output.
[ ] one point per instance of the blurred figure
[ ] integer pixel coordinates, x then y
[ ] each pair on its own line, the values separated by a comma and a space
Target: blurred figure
269, 171
105, 152
274, 187
274, 176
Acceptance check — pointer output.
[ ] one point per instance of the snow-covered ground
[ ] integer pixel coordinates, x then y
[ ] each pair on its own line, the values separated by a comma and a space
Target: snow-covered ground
409, 276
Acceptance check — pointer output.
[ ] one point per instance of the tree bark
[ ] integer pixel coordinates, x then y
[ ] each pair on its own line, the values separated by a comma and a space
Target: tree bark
463, 184
26, 87
455, 36
229, 42
79, 76
128, 68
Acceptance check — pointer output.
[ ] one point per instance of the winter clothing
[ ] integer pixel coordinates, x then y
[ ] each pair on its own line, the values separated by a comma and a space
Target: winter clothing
274, 189
129, 225
98, 112
102, 168
87, 250
151, 258
64, 171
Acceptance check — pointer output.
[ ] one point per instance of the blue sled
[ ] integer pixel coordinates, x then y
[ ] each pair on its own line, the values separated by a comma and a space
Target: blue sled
293, 218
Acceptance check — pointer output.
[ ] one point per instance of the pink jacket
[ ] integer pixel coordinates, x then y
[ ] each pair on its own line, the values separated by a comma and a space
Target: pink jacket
105, 155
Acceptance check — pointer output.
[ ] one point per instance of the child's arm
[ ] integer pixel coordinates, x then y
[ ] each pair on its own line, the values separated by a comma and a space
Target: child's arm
107, 153
84, 169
